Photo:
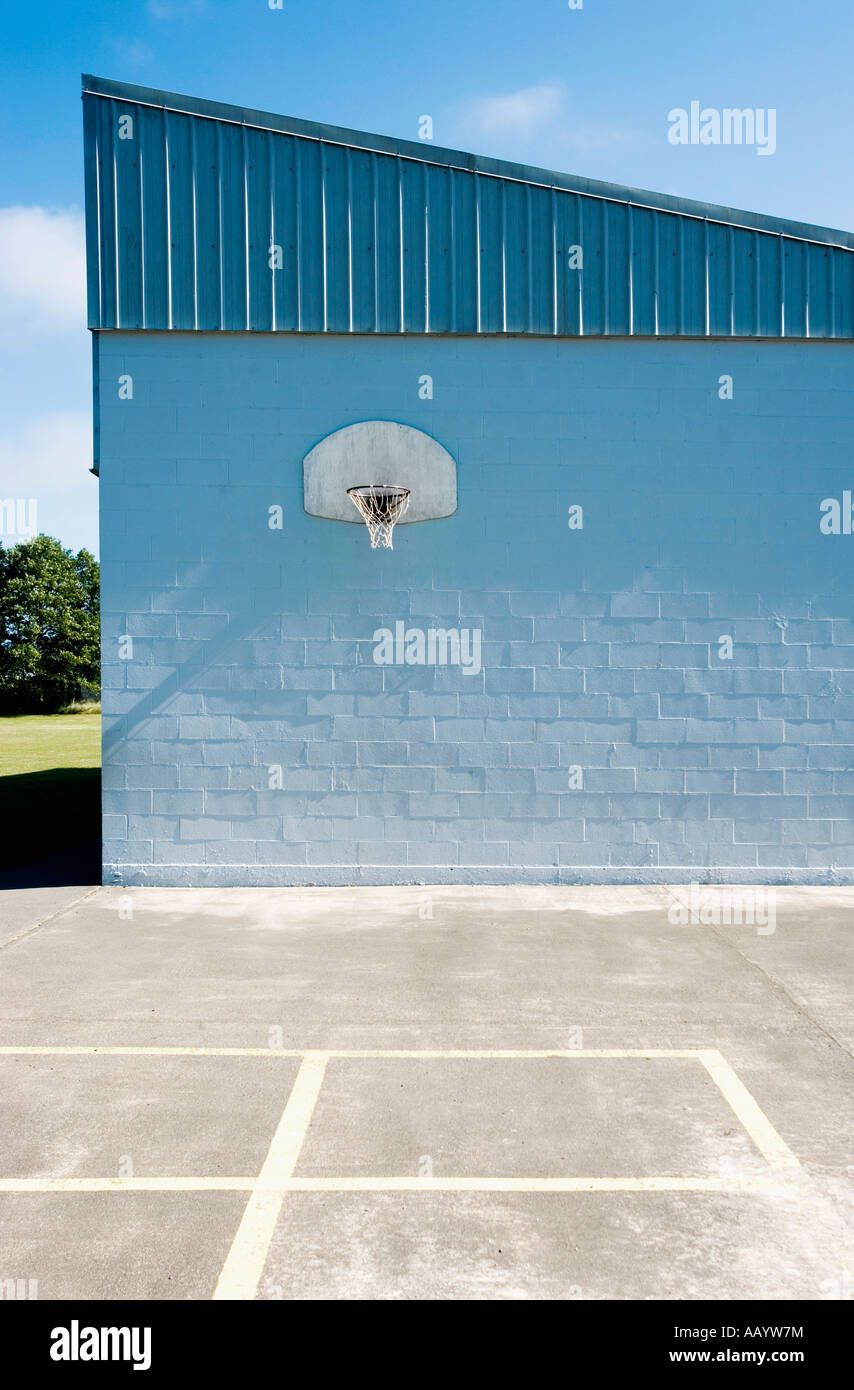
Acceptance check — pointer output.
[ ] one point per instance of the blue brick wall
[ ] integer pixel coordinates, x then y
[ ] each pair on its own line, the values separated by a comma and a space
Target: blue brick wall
252, 648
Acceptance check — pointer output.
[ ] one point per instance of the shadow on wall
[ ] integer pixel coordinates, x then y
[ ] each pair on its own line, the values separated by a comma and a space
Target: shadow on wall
658, 612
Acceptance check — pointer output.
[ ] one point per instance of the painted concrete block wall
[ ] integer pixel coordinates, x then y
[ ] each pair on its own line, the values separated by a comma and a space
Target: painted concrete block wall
609, 735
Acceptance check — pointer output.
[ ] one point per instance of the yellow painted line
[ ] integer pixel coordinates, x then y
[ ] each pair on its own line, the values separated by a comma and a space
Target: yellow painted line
243, 1268
769, 1143
244, 1264
187, 1184
512, 1053
147, 1052
366, 1053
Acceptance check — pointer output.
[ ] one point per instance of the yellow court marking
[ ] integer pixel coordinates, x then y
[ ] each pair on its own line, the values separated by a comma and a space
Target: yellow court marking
244, 1266
651, 1184
773, 1148
246, 1258
181, 1184
394, 1184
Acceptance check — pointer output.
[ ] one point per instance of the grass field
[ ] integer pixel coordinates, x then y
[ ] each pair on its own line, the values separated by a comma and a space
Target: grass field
50, 784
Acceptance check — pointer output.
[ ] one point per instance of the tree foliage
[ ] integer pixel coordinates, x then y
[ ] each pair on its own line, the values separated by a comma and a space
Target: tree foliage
49, 625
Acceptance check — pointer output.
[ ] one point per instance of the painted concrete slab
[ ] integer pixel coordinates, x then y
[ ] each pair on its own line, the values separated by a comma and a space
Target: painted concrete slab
103, 1245
22, 909
272, 972
538, 1246
72, 1116
524, 1118
809, 955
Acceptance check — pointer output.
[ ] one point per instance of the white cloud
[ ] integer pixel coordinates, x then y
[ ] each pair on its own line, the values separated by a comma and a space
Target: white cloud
133, 51
42, 273
523, 113
48, 458
535, 124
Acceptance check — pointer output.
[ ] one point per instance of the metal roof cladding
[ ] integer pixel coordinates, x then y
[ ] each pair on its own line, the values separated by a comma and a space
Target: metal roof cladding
187, 201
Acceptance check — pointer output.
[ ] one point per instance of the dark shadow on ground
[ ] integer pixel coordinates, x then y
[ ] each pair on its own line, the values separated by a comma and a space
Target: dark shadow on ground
50, 828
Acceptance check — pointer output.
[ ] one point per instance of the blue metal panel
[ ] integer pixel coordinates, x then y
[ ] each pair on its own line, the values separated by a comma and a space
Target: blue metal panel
541, 256
617, 226
795, 277
642, 269
105, 229
128, 206
91, 112
514, 237
285, 232
382, 236
362, 234
596, 280
767, 254
208, 245
667, 275
259, 221
439, 250
385, 179
692, 277
182, 229
490, 201
232, 204
464, 267
720, 280
842, 281
413, 203
151, 126
745, 313
312, 250
819, 291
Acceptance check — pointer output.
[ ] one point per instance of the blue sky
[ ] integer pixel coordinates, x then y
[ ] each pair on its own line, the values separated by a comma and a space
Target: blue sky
586, 91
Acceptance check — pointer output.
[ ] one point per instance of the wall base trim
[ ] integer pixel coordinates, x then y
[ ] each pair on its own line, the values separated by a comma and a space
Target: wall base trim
428, 875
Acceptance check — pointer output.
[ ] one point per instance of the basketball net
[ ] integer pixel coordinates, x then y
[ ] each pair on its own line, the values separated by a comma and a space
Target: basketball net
382, 505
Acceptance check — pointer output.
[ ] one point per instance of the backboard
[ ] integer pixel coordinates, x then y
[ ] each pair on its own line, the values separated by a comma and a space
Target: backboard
384, 452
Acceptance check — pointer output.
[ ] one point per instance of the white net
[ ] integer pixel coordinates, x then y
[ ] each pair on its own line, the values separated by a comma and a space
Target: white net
382, 505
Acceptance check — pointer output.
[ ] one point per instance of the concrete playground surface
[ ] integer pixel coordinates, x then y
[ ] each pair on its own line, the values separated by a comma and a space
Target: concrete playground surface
427, 1093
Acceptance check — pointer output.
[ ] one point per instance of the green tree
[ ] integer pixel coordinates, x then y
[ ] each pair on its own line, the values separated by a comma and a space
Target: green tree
49, 625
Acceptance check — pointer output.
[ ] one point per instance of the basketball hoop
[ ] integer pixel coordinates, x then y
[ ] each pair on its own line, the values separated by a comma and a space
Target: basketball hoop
382, 505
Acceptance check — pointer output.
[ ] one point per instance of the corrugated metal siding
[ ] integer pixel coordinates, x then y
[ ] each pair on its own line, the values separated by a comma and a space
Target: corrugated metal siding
181, 218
